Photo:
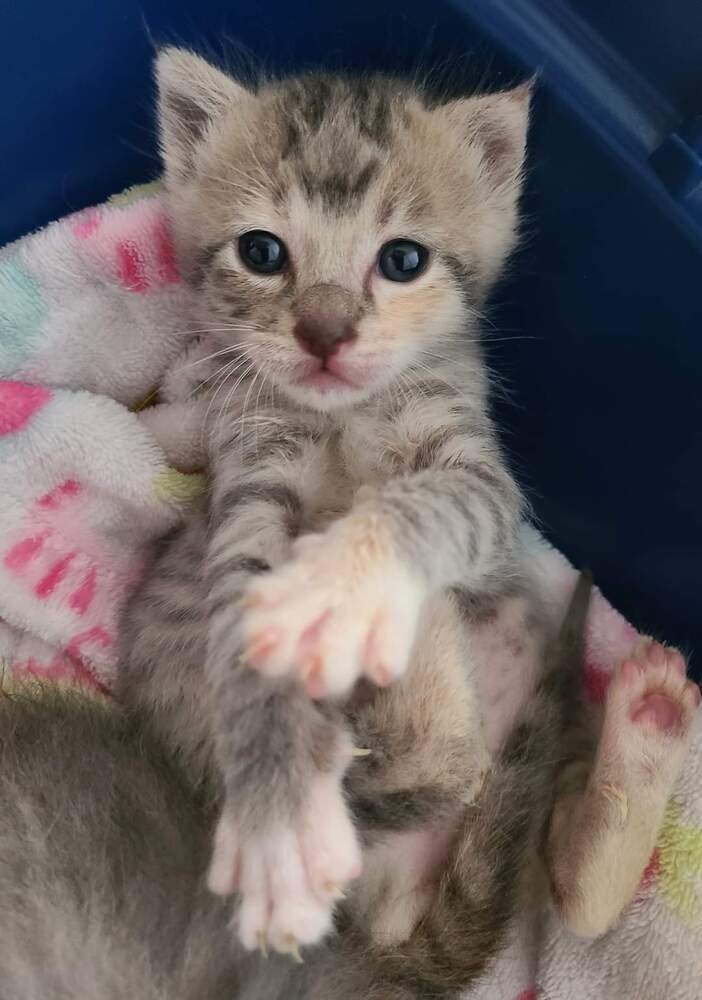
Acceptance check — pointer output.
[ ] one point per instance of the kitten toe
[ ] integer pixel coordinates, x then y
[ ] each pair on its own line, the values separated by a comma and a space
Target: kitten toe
291, 875
297, 916
254, 906
328, 841
327, 620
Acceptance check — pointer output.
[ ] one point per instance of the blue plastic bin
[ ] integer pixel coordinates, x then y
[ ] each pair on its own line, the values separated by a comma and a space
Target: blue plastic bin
599, 332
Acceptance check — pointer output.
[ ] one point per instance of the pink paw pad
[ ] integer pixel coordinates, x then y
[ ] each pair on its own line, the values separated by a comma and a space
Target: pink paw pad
657, 710
662, 697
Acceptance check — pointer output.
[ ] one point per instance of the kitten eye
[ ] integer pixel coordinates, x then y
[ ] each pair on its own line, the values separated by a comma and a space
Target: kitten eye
262, 252
402, 260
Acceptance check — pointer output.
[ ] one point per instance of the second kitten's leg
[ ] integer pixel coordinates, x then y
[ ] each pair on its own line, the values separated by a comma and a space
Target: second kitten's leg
601, 841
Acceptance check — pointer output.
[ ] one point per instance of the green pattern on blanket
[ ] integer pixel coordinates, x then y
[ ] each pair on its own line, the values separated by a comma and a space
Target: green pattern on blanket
22, 313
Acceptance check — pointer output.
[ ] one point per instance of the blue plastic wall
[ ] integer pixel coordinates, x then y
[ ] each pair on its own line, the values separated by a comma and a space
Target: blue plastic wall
599, 331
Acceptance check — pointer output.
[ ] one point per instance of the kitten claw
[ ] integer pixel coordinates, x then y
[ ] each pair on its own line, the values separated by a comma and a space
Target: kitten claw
249, 601
292, 948
361, 752
261, 646
262, 944
333, 890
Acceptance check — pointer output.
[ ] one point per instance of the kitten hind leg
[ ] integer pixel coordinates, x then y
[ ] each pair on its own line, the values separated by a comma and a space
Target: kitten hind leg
427, 761
601, 840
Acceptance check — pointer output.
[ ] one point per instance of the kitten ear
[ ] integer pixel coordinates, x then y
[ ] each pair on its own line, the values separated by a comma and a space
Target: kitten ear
192, 94
498, 123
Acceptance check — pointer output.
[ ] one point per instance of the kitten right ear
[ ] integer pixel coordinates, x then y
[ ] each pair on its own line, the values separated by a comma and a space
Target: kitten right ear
192, 94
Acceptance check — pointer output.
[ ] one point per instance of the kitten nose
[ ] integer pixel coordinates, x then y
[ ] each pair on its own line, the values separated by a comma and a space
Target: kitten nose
321, 336
325, 320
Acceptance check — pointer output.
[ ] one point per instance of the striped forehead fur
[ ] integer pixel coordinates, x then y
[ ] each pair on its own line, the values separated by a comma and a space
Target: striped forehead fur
333, 136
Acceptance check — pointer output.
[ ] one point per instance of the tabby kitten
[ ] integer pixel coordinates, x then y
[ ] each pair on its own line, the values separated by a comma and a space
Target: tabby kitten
342, 236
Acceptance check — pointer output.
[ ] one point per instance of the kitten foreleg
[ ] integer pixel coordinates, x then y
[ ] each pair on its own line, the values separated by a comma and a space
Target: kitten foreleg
348, 602
285, 839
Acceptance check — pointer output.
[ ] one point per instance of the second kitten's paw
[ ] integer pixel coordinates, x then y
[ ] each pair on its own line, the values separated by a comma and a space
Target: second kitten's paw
343, 607
289, 876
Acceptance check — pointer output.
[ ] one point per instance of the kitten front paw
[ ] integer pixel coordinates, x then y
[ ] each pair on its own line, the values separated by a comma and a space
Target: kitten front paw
289, 876
343, 607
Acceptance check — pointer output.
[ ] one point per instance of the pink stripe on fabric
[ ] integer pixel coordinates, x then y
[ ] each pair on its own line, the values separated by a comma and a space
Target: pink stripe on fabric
93, 636
24, 551
86, 227
18, 404
596, 681
82, 597
48, 584
69, 488
167, 269
132, 272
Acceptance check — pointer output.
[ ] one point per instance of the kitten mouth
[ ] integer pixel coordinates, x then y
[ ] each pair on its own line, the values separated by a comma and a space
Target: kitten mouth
327, 377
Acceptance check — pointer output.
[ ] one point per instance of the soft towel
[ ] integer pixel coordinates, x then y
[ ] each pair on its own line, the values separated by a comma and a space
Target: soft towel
93, 318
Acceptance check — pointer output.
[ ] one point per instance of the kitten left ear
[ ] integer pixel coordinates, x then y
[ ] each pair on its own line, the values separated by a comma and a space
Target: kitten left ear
192, 94
498, 123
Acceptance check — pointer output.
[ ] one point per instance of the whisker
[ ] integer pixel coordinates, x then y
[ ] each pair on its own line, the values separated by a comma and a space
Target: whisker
256, 422
244, 326
209, 357
223, 382
230, 368
433, 373
242, 419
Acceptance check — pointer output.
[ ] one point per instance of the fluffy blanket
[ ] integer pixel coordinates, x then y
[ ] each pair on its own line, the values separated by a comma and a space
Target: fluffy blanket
93, 318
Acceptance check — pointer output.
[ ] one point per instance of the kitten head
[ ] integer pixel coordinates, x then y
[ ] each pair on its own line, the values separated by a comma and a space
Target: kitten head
341, 231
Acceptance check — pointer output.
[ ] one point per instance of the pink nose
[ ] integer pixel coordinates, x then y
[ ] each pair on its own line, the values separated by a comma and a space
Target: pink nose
323, 335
